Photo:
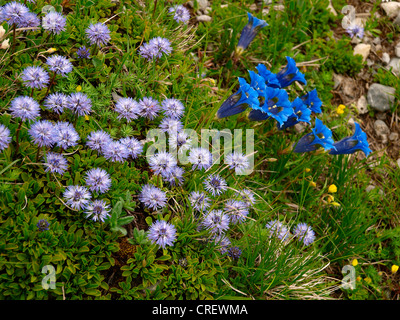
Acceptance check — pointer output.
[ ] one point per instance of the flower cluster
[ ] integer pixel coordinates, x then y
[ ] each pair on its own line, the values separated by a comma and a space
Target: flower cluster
301, 231
155, 48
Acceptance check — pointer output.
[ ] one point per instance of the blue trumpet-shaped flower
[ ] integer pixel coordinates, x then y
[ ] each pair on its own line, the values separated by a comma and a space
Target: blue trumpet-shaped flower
358, 141
238, 102
321, 136
311, 99
301, 113
276, 105
290, 73
258, 83
270, 78
249, 32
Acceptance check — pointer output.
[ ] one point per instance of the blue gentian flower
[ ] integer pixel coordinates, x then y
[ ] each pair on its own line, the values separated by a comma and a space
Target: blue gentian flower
304, 233
5, 137
56, 102
98, 180
25, 107
321, 136
301, 113
249, 32
152, 197
83, 53
311, 100
258, 83
42, 133
290, 73
269, 77
276, 105
239, 101
97, 210
79, 103
162, 233
358, 141
98, 34
77, 197
54, 22
55, 163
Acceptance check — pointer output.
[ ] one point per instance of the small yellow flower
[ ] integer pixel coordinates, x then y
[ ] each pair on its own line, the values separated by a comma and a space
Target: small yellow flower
86, 117
307, 169
332, 188
78, 88
341, 106
395, 268
340, 109
330, 198
313, 184
368, 280
358, 278
354, 262
51, 50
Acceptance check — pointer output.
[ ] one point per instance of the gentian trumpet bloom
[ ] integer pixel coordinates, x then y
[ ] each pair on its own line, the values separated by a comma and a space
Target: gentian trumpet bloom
301, 113
358, 141
311, 99
249, 32
269, 77
290, 73
239, 101
320, 136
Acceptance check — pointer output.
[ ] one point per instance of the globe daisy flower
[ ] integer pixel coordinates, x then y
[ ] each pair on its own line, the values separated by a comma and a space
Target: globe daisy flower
5, 137
237, 210
43, 225
25, 108
162, 233
247, 196
133, 145
175, 176
55, 163
200, 158
278, 229
149, 107
181, 14
42, 133
237, 161
162, 45
97, 210
127, 108
98, 34
98, 140
180, 142
83, 53
215, 184
65, 135
115, 151
173, 108
234, 252
59, 65
199, 201
216, 221
77, 197
56, 102
29, 20
54, 22
162, 163
221, 242
13, 12
171, 125
148, 51
79, 103
355, 30
98, 180
152, 197
304, 233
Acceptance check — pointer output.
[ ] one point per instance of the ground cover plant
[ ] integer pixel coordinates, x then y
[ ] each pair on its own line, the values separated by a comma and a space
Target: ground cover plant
194, 150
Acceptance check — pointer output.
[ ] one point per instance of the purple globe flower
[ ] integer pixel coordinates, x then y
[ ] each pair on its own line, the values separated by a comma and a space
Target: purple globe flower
79, 103
133, 145
43, 225
237, 211
54, 22
59, 65
200, 158
180, 142
98, 34
149, 107
237, 161
278, 229
215, 184
13, 12
222, 242
162, 233
247, 196
115, 151
42, 133
25, 107
55, 163
98, 180
199, 201
175, 176
216, 221
56, 102
65, 135
29, 20
152, 197
97, 210
234, 252
162, 45
162, 163
148, 51
5, 137
98, 140
181, 14
171, 125
77, 197
304, 233
127, 108
35, 77
83, 53
173, 108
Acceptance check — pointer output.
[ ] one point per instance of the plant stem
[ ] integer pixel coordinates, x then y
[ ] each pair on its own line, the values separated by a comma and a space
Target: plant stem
50, 84
37, 154
17, 137
155, 7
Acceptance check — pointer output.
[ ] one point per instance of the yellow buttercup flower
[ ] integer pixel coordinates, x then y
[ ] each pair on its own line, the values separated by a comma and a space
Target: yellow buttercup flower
359, 278
307, 169
332, 188
78, 88
86, 117
354, 262
313, 184
395, 268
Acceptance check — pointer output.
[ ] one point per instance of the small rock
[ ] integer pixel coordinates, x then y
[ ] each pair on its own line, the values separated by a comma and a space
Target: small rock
203, 18
395, 65
363, 49
337, 80
381, 128
392, 9
380, 97
202, 4
393, 136
397, 20
299, 127
351, 122
398, 162
397, 50
376, 40
362, 105
253, 7
385, 58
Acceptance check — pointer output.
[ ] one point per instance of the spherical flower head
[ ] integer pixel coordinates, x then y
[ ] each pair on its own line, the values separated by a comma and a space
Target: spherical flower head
237, 210
79, 103
59, 65
35, 77
54, 22
56, 102
304, 233
5, 137
171, 125
83, 53
173, 108
149, 107
238, 162
133, 145
355, 30
29, 20
97, 210
162, 45
200, 158
13, 12
77, 197
247, 196
98, 34
25, 108
175, 176
152, 197
278, 229
42, 133
162, 163
199, 201
127, 108
215, 184
180, 142
43, 225
181, 14
222, 242
98, 140
65, 135
234, 252
162, 233
216, 221
55, 163
98, 180
148, 51
115, 151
